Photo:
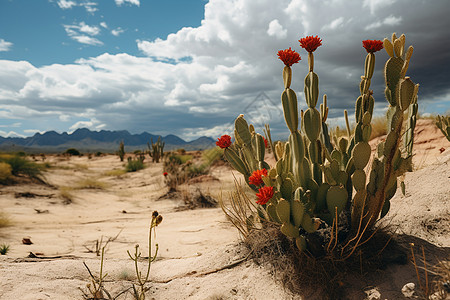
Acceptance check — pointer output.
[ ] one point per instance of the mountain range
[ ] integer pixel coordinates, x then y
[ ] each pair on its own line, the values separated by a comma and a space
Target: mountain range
89, 141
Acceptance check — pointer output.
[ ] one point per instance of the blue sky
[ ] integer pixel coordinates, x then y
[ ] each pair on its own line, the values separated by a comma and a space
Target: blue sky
190, 67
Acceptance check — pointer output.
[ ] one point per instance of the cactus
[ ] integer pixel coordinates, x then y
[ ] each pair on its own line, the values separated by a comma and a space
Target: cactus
156, 150
121, 151
443, 123
315, 176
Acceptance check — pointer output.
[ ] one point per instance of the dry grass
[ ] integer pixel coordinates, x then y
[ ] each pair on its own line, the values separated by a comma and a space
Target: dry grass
4, 220
66, 195
115, 172
379, 127
90, 183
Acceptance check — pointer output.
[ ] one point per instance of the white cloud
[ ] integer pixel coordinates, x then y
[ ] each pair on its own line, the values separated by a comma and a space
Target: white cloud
275, 29
336, 23
390, 21
33, 131
84, 33
92, 124
66, 4
117, 31
103, 24
132, 2
4, 45
10, 134
90, 7
375, 5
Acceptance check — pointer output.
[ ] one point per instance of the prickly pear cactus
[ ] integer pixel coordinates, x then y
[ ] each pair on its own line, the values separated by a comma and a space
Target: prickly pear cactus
322, 182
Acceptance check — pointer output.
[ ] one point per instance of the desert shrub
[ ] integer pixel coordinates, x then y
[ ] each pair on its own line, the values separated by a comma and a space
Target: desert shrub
90, 183
115, 172
5, 172
4, 249
72, 152
22, 166
134, 165
98, 154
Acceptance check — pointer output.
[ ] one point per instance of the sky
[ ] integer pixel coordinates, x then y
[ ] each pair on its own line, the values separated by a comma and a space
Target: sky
190, 67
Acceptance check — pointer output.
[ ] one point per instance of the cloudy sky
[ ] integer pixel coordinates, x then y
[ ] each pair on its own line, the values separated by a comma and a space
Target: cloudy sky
191, 67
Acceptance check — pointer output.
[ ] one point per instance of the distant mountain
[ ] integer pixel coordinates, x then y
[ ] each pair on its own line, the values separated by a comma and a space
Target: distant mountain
86, 140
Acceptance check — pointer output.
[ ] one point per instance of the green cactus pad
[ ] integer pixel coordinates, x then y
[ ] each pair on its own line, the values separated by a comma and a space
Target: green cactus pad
243, 131
272, 212
361, 155
300, 242
336, 197
343, 144
311, 89
321, 198
366, 132
336, 155
367, 117
313, 152
297, 146
369, 65
358, 108
406, 93
390, 143
308, 224
297, 212
260, 147
287, 189
392, 75
311, 123
290, 109
388, 47
359, 179
236, 162
284, 211
289, 230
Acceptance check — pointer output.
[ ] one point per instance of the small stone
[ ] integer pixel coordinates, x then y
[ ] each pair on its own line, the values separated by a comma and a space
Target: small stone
408, 290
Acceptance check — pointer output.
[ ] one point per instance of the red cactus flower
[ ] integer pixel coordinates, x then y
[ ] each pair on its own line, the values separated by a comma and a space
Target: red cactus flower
372, 46
264, 195
165, 174
224, 141
256, 177
289, 56
310, 43
266, 143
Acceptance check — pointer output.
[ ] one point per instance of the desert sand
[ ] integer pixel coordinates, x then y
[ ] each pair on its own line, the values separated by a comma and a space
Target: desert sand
201, 255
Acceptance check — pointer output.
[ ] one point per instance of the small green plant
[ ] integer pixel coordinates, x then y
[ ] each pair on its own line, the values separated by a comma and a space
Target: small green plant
96, 288
141, 288
4, 249
156, 150
72, 152
121, 151
134, 165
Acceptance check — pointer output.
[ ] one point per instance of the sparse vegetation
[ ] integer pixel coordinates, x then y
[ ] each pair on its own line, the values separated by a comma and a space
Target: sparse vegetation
115, 172
134, 165
90, 183
19, 166
72, 152
4, 220
4, 249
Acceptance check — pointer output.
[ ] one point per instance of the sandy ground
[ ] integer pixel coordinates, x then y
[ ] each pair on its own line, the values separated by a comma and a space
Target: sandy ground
195, 246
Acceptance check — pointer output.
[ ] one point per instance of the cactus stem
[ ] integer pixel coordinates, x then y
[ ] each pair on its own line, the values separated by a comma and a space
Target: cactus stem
311, 61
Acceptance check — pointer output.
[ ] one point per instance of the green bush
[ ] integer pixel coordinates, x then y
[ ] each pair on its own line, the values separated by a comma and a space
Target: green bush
134, 165
72, 152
